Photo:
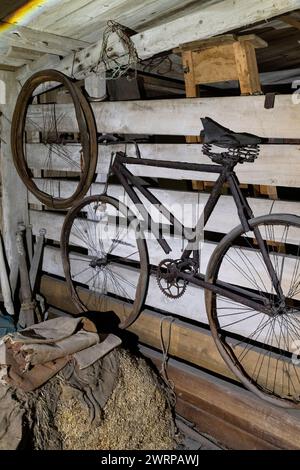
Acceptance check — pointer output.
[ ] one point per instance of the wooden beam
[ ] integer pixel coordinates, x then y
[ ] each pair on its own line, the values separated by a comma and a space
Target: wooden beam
17, 52
280, 77
190, 306
188, 206
234, 416
8, 68
13, 62
40, 41
209, 21
88, 18
208, 422
225, 39
290, 20
256, 41
202, 44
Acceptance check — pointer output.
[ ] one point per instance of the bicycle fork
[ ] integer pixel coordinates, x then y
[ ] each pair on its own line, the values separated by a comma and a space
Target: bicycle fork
265, 254
245, 214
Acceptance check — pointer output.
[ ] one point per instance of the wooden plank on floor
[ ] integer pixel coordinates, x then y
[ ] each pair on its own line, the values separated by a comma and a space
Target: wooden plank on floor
232, 437
230, 413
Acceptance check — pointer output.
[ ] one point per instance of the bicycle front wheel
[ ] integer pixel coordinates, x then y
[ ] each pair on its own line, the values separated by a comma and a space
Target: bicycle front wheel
105, 258
260, 347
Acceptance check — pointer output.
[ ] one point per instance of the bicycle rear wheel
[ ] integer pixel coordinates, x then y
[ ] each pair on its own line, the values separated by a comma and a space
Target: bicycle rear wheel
261, 349
55, 149
105, 258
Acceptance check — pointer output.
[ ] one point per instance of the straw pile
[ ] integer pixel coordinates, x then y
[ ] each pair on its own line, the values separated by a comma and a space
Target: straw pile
136, 416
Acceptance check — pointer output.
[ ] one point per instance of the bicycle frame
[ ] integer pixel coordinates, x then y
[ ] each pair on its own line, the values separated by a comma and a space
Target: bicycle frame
226, 174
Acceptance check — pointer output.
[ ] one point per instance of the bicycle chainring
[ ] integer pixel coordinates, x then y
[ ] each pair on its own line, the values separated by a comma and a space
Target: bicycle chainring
168, 283
171, 285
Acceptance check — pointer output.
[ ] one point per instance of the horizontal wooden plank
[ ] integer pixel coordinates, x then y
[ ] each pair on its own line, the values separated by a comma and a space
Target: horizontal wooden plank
187, 206
267, 426
225, 433
182, 117
276, 165
187, 342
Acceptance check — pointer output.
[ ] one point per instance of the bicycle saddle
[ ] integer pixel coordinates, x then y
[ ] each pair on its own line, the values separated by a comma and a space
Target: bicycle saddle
214, 133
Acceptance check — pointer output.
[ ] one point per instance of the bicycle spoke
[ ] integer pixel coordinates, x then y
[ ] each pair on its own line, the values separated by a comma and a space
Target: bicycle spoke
263, 351
113, 267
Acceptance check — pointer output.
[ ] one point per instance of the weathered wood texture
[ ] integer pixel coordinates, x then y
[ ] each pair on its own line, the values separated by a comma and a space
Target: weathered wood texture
177, 117
193, 344
230, 414
187, 342
222, 59
182, 117
207, 22
14, 195
22, 45
277, 165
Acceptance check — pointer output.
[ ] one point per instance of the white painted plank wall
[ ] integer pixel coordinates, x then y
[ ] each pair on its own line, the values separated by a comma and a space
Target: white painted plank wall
276, 165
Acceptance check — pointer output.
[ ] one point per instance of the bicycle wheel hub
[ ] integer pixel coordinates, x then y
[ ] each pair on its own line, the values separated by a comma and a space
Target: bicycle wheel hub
98, 262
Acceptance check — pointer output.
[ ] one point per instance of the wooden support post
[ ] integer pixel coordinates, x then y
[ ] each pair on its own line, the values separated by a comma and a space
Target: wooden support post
14, 195
191, 88
5, 284
247, 70
27, 313
189, 77
191, 91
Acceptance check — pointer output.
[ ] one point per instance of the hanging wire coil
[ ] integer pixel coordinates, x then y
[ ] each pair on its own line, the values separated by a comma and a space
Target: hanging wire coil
115, 67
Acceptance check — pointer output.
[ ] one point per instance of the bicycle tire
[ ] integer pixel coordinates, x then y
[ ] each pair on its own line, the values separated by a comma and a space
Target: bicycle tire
143, 279
87, 129
284, 394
